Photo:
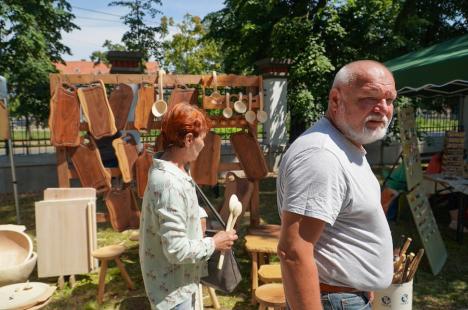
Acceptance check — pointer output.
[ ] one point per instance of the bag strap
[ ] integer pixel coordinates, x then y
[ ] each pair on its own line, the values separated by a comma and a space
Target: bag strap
213, 209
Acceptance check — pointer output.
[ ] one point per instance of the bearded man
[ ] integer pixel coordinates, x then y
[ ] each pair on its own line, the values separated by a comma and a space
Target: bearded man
335, 245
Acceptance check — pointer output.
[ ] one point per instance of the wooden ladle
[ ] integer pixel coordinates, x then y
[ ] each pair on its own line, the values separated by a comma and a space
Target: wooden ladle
250, 115
235, 209
227, 111
160, 106
262, 116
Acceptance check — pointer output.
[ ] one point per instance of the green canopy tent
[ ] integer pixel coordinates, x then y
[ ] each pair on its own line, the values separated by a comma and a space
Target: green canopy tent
438, 70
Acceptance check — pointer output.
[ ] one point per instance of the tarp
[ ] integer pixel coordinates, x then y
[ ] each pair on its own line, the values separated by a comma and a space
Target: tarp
441, 69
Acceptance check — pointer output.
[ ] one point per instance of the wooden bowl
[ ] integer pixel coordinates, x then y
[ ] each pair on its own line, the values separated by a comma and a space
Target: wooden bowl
18, 273
15, 248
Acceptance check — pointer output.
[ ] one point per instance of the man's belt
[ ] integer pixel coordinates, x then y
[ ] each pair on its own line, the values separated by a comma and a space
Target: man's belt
326, 288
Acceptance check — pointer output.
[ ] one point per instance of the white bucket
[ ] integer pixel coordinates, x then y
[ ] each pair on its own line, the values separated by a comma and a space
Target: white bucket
396, 297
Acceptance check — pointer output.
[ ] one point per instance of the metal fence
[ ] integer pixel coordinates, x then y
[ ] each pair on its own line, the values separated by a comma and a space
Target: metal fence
30, 137
432, 123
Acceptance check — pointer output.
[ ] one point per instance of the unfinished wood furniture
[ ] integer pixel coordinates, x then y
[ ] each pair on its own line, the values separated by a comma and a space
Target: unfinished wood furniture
144, 121
257, 246
105, 254
271, 296
270, 273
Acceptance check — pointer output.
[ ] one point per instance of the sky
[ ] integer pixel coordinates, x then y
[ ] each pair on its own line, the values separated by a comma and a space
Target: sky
99, 22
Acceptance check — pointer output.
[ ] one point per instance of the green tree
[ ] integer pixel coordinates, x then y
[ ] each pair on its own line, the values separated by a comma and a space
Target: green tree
30, 41
141, 36
101, 56
320, 36
187, 52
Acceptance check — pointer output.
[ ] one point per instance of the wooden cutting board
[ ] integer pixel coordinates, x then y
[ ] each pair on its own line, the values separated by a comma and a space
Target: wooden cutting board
204, 170
96, 108
120, 101
77, 193
143, 117
63, 237
250, 155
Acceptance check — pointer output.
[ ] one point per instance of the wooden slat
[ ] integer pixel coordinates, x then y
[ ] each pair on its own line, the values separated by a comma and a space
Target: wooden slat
231, 80
62, 167
223, 167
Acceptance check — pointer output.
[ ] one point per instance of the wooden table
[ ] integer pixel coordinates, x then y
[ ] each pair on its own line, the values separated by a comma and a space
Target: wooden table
257, 246
458, 185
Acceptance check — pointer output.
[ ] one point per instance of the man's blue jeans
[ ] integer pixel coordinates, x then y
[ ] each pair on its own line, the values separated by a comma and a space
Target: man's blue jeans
345, 301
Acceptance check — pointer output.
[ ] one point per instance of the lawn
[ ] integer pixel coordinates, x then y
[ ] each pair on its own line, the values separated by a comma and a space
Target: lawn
447, 290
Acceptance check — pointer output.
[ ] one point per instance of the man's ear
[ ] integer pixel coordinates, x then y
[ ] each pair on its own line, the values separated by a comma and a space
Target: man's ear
333, 100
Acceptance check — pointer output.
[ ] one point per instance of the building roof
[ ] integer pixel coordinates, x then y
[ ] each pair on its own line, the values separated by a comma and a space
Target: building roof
89, 67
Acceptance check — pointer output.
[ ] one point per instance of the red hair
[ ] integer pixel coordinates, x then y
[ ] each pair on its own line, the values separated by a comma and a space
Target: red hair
181, 119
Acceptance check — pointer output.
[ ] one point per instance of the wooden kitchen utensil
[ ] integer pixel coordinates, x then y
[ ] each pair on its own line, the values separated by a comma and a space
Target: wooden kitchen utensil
145, 101
15, 248
160, 106
235, 209
64, 117
88, 165
239, 105
96, 108
64, 237
250, 155
262, 116
142, 166
123, 209
227, 111
126, 152
204, 169
250, 115
242, 188
120, 101
182, 93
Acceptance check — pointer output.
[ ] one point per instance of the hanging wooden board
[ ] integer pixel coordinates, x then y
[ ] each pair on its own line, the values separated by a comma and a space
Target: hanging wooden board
204, 170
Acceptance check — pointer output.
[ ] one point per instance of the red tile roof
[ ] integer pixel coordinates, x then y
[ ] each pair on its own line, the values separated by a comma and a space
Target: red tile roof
89, 67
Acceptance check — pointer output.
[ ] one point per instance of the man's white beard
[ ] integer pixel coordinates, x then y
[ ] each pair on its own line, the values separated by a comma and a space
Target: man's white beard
367, 135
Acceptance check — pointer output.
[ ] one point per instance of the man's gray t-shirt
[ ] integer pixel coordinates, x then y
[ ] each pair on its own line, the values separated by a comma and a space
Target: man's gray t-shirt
324, 176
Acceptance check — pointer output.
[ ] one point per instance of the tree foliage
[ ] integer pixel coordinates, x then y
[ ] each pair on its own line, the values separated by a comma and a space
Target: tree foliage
101, 56
187, 52
141, 36
320, 36
30, 41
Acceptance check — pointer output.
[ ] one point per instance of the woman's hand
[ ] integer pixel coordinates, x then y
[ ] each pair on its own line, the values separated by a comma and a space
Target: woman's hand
224, 239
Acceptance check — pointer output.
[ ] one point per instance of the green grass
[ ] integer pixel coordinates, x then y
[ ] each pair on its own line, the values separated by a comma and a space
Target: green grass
448, 290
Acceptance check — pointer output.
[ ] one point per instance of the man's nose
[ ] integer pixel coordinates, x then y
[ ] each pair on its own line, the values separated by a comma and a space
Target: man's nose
383, 106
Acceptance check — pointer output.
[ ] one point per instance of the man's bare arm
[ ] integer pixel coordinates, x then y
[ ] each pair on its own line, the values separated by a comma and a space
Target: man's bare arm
296, 251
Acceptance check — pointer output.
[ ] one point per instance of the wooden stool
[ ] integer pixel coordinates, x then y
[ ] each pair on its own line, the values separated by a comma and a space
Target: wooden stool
270, 273
105, 254
271, 296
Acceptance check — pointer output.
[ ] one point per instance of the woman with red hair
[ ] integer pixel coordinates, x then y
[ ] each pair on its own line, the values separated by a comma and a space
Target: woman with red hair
173, 250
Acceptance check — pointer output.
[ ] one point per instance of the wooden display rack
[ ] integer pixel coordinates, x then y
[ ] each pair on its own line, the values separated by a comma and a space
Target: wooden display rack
65, 174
